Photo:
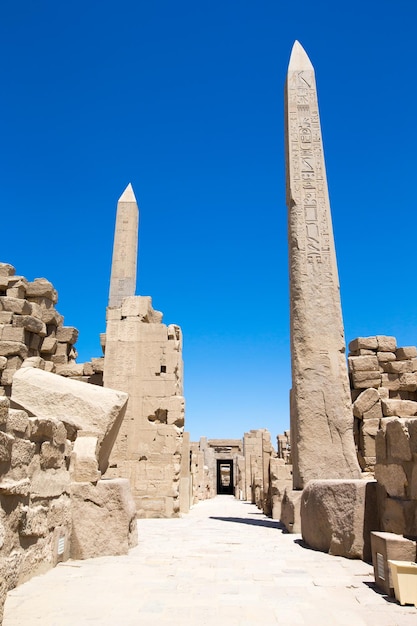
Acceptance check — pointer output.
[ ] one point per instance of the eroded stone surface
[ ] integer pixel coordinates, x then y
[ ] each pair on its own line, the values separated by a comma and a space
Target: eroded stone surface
47, 395
321, 414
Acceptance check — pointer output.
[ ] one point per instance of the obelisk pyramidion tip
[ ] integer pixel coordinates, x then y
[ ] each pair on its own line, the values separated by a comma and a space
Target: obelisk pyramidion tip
299, 59
128, 195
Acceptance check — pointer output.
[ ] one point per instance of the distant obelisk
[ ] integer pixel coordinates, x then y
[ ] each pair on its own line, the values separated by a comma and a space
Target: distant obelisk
322, 443
125, 249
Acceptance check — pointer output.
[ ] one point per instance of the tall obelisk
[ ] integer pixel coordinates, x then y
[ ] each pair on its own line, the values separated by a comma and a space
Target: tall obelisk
125, 249
321, 416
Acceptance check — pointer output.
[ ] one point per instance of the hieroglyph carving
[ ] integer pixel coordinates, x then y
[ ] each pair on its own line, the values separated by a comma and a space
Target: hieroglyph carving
321, 415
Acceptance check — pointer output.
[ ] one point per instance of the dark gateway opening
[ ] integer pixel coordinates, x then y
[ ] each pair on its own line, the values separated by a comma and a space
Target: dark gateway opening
225, 477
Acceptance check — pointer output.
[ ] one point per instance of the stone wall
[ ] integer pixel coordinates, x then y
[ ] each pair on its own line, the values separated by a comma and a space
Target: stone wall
258, 450
35, 512
383, 384
30, 326
55, 439
52, 502
383, 379
143, 357
396, 469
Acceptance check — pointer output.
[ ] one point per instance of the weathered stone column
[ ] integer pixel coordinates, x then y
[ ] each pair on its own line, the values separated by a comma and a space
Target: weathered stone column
125, 249
321, 416
143, 357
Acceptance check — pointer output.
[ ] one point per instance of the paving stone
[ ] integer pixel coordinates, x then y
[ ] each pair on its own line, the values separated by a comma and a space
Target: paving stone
202, 569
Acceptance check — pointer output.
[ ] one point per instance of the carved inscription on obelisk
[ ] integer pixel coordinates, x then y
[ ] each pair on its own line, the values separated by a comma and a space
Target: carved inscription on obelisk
321, 416
125, 249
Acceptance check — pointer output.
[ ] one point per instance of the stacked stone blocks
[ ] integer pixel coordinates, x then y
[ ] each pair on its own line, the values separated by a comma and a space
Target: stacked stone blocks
384, 393
31, 327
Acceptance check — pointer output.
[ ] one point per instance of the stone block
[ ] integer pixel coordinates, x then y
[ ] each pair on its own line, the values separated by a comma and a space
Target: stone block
34, 361
70, 369
386, 357
393, 547
34, 521
393, 478
51, 456
408, 382
47, 429
51, 317
338, 515
386, 343
98, 365
18, 422
36, 310
15, 305
363, 363
30, 323
83, 464
368, 433
41, 288
407, 352
3, 363
67, 334
397, 438
62, 349
399, 408
290, 510
59, 359
364, 380
88, 369
103, 519
100, 410
400, 367
14, 362
113, 314
7, 377
391, 381
49, 345
365, 401
18, 291
12, 348
50, 483
363, 343
399, 516
11, 333
6, 317
23, 452
374, 414
7, 270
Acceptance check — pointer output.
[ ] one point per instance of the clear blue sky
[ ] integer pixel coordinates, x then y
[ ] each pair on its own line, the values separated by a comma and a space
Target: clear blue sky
185, 100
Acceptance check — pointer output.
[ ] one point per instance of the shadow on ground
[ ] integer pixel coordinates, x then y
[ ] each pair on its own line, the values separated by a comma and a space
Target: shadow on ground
252, 522
376, 589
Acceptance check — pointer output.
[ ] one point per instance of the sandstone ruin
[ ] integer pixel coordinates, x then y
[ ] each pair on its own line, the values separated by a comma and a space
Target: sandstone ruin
87, 448
143, 357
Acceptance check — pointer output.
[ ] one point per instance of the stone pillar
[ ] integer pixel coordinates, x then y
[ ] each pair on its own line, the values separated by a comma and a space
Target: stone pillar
321, 416
125, 249
143, 357
185, 474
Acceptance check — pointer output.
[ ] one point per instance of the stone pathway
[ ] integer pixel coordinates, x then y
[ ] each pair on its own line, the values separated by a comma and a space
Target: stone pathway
223, 564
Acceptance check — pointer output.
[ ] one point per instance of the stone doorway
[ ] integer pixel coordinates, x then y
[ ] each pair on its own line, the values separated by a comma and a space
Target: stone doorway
225, 484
